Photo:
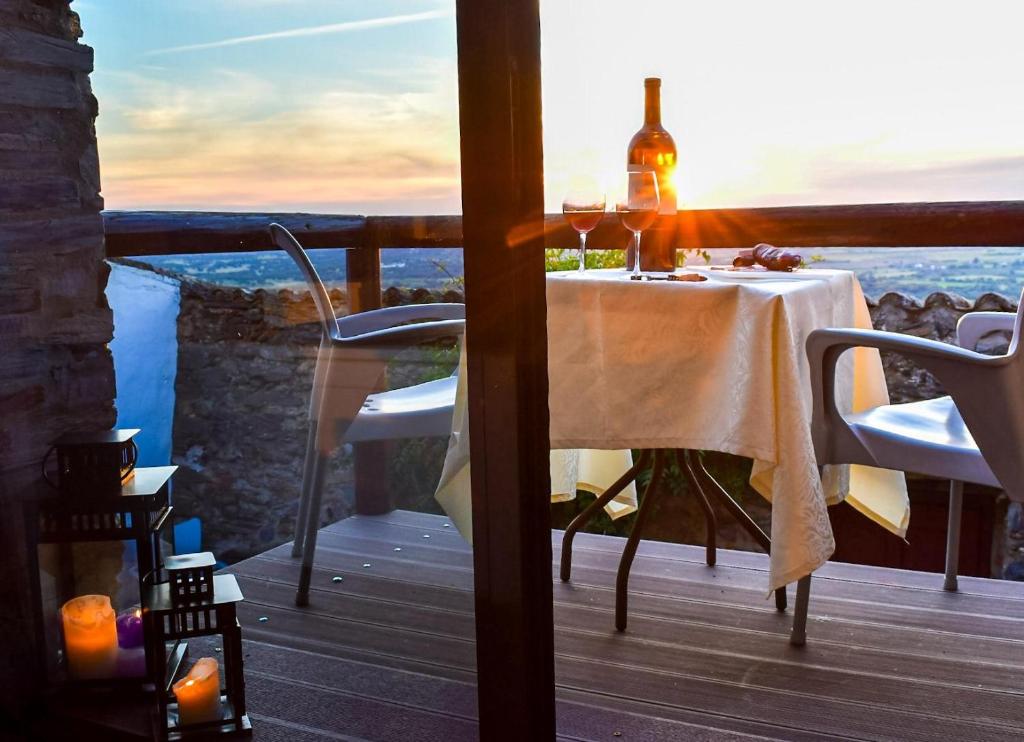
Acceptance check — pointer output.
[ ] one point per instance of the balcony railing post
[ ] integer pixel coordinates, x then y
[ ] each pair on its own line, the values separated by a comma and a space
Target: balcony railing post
370, 460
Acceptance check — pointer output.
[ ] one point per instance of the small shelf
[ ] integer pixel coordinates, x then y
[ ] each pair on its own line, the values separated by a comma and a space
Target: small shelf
157, 598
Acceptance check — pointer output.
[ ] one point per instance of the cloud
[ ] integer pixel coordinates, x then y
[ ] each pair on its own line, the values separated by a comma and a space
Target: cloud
336, 150
330, 28
970, 178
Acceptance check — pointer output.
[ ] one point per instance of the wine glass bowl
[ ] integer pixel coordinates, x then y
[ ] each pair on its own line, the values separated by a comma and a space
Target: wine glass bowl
583, 207
637, 208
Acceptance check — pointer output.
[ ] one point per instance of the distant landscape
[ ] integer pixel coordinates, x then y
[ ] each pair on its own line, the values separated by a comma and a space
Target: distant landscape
969, 272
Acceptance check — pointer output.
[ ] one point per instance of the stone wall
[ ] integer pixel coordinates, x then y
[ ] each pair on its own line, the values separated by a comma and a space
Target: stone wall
934, 318
55, 370
245, 370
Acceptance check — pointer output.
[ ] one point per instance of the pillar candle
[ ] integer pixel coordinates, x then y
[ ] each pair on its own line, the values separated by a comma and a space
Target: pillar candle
198, 693
90, 637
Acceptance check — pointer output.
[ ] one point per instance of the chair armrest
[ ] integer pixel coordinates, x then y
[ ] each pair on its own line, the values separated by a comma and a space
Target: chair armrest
954, 367
973, 326
381, 319
918, 349
403, 336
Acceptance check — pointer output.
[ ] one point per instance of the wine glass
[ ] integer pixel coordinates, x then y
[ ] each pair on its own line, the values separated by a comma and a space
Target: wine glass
583, 208
638, 208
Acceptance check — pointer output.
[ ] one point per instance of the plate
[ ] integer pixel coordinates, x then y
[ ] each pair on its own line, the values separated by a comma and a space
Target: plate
730, 272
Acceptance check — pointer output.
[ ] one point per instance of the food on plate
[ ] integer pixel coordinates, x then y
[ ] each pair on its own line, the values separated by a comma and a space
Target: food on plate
768, 256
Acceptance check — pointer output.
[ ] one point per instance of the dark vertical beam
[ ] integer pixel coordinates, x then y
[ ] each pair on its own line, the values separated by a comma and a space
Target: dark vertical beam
362, 278
506, 339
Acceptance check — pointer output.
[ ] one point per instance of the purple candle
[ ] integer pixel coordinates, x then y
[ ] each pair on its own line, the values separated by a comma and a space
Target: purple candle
129, 629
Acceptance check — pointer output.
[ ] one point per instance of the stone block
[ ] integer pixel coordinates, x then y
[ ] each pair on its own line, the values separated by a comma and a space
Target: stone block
38, 194
42, 50
30, 89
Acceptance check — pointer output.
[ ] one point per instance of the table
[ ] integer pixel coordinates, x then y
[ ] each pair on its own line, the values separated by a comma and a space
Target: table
717, 365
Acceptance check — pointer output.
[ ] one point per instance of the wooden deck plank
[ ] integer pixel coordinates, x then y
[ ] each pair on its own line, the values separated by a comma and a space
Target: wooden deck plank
772, 626
751, 561
425, 692
357, 716
935, 610
727, 557
705, 657
745, 631
983, 693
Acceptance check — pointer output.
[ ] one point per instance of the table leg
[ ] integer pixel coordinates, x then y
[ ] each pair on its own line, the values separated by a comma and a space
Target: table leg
581, 520
798, 636
629, 552
694, 464
710, 520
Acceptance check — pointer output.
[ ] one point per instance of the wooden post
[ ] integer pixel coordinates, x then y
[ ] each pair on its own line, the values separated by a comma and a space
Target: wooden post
362, 273
506, 339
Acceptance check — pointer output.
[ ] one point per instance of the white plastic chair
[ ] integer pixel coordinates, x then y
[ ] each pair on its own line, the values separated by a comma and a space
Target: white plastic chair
354, 352
976, 434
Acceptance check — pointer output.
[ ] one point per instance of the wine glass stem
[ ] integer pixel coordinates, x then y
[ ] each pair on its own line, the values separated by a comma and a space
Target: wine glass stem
636, 254
583, 251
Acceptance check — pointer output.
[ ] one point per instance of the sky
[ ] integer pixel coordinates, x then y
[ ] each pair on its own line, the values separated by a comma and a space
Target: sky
349, 106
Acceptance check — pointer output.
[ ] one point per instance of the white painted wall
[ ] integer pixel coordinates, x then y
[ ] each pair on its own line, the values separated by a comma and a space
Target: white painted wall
145, 349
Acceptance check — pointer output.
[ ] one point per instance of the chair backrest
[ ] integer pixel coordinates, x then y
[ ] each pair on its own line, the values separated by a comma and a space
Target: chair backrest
993, 410
287, 242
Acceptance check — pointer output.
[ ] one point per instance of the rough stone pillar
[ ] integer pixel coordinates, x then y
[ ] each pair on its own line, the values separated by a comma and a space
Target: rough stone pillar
56, 372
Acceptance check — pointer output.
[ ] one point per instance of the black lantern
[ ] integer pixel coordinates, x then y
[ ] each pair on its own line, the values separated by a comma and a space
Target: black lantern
95, 463
192, 603
98, 542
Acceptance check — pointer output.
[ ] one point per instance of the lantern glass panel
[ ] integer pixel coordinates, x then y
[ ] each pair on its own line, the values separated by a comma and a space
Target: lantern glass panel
78, 640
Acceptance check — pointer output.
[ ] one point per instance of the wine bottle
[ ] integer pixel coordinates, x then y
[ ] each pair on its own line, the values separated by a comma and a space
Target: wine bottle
652, 148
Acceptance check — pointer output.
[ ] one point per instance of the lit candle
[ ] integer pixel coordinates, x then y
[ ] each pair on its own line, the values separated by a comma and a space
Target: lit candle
131, 653
129, 629
90, 636
198, 693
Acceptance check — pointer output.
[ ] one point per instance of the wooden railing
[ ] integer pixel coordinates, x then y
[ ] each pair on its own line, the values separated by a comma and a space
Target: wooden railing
965, 223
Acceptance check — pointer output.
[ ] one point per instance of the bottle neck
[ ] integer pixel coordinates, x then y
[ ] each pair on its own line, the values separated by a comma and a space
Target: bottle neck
652, 105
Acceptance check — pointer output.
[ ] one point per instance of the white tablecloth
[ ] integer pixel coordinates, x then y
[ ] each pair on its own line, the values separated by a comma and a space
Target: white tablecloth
717, 365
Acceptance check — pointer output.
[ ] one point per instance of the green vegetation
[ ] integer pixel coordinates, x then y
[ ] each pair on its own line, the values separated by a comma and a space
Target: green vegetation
568, 260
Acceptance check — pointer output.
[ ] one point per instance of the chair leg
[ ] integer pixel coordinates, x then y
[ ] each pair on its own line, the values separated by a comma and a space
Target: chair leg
956, 503
629, 552
798, 637
307, 479
581, 520
312, 521
710, 520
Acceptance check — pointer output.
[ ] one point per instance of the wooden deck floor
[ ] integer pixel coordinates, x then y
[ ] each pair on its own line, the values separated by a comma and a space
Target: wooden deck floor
387, 653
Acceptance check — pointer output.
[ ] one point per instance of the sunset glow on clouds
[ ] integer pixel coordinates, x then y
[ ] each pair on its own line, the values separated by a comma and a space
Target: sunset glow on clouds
345, 106
349, 150
319, 118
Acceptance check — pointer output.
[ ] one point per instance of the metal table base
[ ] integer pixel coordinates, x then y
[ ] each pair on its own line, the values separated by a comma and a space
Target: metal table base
701, 482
